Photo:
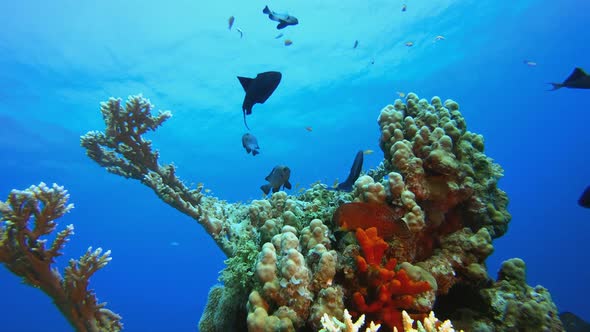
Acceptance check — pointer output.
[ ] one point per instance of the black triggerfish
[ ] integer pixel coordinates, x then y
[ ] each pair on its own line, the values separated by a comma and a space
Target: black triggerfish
584, 200
355, 171
258, 90
578, 79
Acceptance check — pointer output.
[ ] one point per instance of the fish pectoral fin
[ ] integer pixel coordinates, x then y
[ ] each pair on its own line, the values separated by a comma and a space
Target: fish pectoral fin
245, 82
282, 25
248, 150
577, 74
275, 189
265, 188
255, 152
287, 185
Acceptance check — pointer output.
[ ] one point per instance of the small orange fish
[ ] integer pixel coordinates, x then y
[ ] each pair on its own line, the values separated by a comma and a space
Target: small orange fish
301, 190
230, 21
288, 42
350, 216
409, 44
401, 94
309, 129
368, 151
207, 190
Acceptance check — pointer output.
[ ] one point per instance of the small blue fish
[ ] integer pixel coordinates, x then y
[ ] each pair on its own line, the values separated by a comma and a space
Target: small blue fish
250, 143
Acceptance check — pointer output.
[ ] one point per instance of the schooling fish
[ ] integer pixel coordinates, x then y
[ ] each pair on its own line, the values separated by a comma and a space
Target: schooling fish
258, 90
584, 200
355, 171
350, 216
356, 44
250, 143
578, 79
279, 176
283, 19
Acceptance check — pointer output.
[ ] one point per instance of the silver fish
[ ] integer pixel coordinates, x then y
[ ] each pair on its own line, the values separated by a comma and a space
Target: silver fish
279, 176
250, 143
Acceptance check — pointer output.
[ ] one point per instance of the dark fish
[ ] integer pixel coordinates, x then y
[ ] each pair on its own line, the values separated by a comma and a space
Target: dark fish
356, 44
230, 21
584, 200
573, 323
350, 216
355, 171
258, 89
578, 79
283, 19
250, 143
279, 176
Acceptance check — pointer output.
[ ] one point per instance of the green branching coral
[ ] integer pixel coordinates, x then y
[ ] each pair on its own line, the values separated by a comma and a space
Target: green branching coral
25, 218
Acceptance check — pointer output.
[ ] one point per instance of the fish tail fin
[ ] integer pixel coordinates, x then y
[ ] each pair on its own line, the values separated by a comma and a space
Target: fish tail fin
265, 10
265, 188
245, 123
555, 86
255, 152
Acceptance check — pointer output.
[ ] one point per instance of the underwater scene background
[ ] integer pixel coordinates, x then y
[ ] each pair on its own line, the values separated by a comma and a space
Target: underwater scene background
59, 60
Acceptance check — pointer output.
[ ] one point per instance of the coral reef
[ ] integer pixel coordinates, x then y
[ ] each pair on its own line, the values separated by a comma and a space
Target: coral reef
23, 252
291, 261
509, 303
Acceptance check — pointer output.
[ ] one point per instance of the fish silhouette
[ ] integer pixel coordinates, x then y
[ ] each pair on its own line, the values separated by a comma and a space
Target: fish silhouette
578, 79
584, 200
258, 90
250, 143
279, 176
355, 171
283, 19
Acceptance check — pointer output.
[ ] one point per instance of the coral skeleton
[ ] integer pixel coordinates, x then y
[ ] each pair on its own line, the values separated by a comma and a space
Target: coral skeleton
25, 218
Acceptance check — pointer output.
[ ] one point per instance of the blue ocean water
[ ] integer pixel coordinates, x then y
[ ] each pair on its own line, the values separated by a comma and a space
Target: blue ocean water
60, 59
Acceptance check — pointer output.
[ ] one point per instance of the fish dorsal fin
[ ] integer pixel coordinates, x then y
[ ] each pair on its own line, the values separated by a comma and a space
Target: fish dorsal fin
267, 178
245, 81
577, 74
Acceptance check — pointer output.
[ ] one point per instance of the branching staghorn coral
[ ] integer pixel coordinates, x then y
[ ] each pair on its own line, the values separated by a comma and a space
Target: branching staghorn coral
122, 150
23, 252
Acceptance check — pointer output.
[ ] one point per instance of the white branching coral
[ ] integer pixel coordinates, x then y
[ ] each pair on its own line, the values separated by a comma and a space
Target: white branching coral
332, 324
431, 324
25, 218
